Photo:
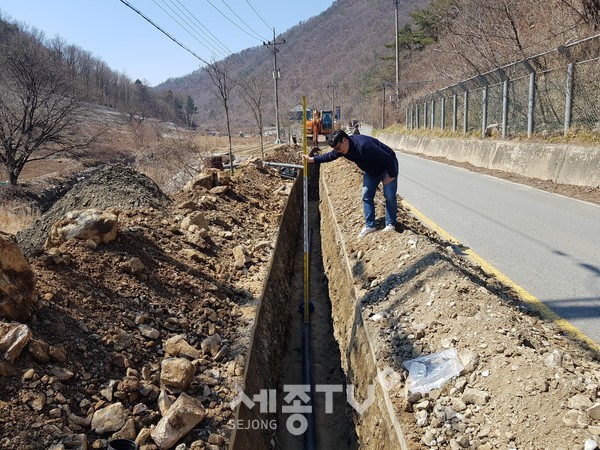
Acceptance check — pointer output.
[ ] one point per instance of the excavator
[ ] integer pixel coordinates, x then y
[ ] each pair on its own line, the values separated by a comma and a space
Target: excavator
320, 122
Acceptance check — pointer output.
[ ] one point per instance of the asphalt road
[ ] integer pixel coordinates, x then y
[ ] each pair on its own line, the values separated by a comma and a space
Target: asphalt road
546, 243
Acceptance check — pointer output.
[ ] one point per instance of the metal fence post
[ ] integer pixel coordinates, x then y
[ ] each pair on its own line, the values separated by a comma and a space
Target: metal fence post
432, 124
425, 114
454, 112
504, 79
569, 97
417, 116
531, 103
406, 117
504, 108
443, 114
466, 117
484, 110
484, 103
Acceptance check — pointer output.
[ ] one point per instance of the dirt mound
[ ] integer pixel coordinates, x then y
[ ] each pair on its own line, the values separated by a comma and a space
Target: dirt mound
286, 154
107, 312
525, 384
15, 195
114, 186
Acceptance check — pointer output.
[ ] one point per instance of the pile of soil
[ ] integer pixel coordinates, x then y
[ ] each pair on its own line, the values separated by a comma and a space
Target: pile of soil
107, 310
285, 154
525, 383
115, 186
17, 194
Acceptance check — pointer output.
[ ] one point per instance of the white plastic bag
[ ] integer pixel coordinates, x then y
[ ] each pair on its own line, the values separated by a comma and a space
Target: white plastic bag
429, 372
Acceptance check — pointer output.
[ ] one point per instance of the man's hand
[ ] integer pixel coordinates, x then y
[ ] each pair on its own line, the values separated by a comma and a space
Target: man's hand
307, 158
314, 151
387, 180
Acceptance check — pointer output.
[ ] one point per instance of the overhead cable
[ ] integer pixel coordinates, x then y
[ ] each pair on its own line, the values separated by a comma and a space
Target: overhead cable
241, 20
259, 16
236, 25
191, 17
206, 44
215, 39
126, 3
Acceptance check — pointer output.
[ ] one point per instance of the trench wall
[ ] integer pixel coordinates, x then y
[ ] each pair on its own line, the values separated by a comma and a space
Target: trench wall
263, 362
561, 163
377, 427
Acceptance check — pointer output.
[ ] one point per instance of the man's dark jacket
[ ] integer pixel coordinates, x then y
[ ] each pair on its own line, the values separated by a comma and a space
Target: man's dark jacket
368, 153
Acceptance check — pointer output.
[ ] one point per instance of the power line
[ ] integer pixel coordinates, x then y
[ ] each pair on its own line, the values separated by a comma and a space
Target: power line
205, 44
259, 16
163, 31
192, 32
236, 25
216, 40
241, 20
204, 27
218, 44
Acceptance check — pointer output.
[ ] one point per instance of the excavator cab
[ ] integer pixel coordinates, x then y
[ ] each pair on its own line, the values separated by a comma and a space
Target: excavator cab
326, 122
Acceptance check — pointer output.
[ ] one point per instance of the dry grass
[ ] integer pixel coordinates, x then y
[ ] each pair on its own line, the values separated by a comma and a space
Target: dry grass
16, 215
170, 158
178, 155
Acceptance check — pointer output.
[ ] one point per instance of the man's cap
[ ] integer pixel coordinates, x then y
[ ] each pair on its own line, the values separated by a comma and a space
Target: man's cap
336, 137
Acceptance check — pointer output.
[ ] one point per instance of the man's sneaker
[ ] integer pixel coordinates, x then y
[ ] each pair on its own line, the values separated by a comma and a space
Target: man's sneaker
390, 227
365, 231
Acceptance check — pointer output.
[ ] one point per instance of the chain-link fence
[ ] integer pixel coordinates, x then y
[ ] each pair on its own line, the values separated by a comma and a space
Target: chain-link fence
553, 93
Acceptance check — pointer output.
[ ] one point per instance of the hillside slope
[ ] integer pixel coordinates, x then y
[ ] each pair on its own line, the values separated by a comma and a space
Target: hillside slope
341, 47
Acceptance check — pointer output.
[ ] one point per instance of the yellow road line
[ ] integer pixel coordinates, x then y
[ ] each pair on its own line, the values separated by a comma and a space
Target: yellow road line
525, 296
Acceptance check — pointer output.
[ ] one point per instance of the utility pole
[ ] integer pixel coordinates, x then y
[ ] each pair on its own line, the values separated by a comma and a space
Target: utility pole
332, 87
274, 44
396, 2
383, 109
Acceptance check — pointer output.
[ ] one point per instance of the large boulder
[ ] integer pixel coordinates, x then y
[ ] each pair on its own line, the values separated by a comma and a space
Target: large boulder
93, 224
17, 282
13, 339
206, 179
110, 418
182, 416
176, 373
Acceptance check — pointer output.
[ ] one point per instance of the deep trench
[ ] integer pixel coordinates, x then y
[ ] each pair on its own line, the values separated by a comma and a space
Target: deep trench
333, 429
274, 364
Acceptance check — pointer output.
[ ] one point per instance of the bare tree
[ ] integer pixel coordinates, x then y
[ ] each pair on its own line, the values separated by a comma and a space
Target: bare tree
487, 34
39, 115
253, 91
220, 75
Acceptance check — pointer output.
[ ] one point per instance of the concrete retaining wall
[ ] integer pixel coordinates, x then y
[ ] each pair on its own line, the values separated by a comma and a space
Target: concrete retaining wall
561, 163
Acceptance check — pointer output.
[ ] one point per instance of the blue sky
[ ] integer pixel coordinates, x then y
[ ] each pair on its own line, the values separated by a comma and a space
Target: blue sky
113, 32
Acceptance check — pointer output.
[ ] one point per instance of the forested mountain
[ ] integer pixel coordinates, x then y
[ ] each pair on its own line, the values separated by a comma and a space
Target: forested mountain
344, 56
348, 51
337, 53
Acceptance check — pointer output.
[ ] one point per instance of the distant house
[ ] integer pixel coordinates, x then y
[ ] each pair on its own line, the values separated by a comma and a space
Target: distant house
295, 114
